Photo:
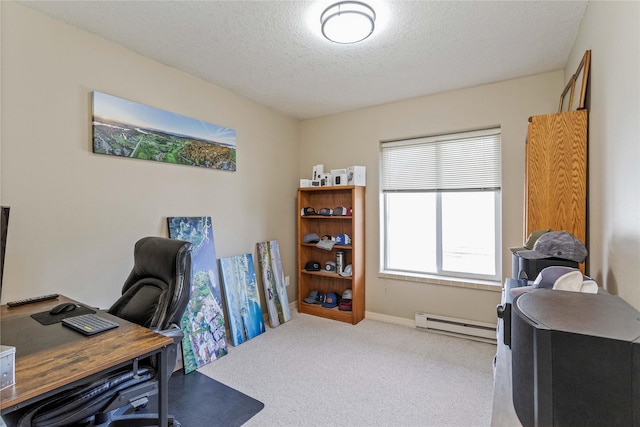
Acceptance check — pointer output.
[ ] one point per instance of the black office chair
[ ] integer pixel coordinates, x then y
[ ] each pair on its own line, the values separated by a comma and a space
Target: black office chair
155, 296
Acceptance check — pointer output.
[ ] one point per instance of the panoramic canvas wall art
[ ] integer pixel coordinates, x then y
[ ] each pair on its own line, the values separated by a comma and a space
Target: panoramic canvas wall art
203, 323
127, 129
273, 282
241, 295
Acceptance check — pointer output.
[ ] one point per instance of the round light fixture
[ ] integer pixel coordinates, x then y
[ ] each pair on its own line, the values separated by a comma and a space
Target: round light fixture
348, 22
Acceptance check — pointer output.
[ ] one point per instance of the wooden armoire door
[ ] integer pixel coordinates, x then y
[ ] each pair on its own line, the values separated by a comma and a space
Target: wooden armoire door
556, 173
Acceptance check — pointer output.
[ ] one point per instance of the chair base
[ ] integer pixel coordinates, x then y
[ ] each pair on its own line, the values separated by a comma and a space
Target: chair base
120, 419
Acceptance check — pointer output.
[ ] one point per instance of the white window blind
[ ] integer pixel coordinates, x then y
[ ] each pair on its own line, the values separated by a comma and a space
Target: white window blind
467, 161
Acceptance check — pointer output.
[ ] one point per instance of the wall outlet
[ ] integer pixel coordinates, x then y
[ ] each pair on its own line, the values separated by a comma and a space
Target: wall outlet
286, 281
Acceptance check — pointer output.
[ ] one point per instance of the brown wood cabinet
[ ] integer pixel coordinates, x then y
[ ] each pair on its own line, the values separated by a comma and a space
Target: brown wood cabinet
556, 173
324, 281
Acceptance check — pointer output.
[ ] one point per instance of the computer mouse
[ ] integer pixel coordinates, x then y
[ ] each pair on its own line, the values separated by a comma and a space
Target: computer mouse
63, 308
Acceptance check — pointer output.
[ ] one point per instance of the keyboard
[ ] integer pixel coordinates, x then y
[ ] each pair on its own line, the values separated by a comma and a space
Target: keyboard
89, 324
32, 300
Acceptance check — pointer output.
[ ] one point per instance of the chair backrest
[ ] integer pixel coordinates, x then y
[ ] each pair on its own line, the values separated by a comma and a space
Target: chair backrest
157, 291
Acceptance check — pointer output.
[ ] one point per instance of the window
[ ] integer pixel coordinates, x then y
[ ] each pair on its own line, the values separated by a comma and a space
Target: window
440, 205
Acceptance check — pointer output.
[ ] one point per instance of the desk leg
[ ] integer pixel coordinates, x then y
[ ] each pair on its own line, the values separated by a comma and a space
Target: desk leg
163, 391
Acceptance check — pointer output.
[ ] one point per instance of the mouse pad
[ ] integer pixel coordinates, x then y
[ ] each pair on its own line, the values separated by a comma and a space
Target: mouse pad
49, 319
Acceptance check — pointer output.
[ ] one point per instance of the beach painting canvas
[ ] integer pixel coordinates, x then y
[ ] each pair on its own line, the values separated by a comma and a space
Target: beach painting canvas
203, 322
127, 129
242, 299
273, 281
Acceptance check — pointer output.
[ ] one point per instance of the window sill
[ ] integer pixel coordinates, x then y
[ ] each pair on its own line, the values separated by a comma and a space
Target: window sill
485, 285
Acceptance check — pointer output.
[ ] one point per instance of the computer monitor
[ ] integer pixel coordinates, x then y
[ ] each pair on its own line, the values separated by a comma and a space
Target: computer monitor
4, 224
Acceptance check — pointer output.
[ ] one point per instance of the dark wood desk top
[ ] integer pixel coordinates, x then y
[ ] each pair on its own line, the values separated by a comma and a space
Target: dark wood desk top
54, 356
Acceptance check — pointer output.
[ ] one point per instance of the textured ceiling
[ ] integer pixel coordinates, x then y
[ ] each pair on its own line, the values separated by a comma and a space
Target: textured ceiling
272, 52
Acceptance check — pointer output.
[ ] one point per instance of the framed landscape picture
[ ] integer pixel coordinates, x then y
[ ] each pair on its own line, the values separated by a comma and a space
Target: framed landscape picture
128, 129
242, 298
273, 282
203, 322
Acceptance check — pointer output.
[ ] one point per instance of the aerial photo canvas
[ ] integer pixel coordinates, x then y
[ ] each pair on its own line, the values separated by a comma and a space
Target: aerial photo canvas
273, 281
203, 322
128, 129
242, 298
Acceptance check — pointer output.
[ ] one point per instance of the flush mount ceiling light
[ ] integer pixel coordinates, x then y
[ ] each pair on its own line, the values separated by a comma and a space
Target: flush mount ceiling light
347, 22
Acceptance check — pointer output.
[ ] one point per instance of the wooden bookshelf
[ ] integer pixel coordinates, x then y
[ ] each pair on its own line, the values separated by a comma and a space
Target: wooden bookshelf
324, 281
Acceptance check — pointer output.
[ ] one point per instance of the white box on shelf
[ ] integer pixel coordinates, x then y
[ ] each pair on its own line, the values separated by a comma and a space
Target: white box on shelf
305, 183
325, 179
357, 175
340, 179
336, 173
317, 170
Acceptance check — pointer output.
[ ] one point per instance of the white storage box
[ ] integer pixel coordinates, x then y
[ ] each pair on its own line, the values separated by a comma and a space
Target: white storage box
357, 175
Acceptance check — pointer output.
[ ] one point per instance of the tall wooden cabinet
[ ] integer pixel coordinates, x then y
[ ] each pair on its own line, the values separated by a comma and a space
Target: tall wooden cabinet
556, 173
353, 225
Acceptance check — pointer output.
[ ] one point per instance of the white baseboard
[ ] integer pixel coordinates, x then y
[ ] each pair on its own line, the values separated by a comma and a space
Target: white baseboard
390, 319
375, 316
410, 323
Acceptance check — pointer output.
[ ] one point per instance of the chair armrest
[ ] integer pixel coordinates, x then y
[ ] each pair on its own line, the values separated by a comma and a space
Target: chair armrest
173, 331
176, 334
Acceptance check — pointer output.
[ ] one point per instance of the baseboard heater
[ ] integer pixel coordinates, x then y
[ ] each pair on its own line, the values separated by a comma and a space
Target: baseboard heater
470, 329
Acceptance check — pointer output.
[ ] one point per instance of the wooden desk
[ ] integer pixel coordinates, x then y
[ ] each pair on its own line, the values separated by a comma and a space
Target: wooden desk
53, 358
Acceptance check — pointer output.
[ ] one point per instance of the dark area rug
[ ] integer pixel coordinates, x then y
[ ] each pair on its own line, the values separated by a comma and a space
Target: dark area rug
196, 400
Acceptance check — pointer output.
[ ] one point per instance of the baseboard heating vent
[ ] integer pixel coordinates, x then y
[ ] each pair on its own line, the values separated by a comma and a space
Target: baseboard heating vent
470, 329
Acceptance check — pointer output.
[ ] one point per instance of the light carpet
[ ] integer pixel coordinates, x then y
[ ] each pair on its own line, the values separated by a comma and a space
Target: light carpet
313, 371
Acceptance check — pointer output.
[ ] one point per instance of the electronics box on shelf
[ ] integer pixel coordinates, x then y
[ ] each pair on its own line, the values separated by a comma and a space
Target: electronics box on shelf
338, 177
357, 175
325, 180
317, 170
7, 366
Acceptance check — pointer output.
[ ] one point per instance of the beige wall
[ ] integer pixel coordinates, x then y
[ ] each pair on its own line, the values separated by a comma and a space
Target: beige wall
75, 215
353, 139
611, 31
